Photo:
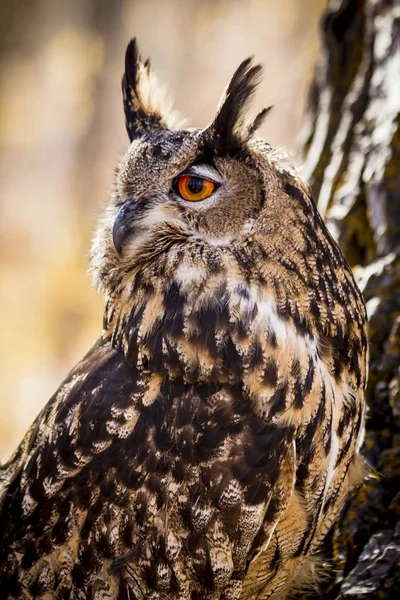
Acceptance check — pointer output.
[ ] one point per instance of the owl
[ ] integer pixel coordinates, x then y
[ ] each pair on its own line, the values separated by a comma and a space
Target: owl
204, 446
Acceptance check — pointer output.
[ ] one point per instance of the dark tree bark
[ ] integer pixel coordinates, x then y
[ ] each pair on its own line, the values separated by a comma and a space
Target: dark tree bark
353, 165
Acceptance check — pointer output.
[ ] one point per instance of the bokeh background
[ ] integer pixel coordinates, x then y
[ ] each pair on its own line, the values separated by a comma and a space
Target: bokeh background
62, 129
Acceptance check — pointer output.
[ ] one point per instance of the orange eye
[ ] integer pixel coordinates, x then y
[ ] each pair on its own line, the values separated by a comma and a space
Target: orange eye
195, 188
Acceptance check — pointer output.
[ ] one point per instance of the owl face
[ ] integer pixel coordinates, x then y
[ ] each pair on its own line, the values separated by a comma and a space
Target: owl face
174, 177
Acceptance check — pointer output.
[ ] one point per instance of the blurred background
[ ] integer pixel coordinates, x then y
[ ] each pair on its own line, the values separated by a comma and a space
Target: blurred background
62, 129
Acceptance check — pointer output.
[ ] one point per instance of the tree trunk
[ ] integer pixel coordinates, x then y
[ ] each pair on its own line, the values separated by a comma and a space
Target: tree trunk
352, 142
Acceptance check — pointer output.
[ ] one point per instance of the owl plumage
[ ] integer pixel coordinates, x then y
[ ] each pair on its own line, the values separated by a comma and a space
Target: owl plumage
206, 443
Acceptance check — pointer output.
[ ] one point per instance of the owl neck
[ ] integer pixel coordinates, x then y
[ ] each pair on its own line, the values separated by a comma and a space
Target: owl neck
202, 320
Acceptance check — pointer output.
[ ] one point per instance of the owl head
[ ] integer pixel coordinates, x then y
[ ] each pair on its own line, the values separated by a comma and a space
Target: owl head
214, 222
177, 185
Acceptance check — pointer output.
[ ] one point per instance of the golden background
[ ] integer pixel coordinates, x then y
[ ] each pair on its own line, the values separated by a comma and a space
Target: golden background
62, 129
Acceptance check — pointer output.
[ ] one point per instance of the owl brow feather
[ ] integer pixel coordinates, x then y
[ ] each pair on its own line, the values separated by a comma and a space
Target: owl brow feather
228, 123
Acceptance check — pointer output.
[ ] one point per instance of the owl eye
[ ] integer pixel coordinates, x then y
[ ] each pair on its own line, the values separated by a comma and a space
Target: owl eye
194, 188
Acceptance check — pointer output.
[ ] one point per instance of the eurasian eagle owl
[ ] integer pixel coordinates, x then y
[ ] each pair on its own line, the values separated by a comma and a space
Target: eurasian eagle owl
204, 446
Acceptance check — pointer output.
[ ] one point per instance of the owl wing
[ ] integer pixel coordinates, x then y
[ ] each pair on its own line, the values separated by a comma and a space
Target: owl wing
324, 466
130, 483
10, 470
48, 485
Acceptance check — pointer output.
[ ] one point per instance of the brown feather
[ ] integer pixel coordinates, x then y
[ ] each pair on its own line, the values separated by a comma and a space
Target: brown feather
207, 442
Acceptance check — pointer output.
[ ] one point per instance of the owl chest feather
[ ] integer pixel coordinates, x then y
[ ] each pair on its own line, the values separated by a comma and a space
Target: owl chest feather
217, 432
224, 333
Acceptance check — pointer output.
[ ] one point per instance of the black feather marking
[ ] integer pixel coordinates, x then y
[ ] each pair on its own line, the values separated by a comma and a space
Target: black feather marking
256, 493
293, 190
270, 376
30, 553
231, 358
199, 549
309, 378
256, 357
278, 400
78, 575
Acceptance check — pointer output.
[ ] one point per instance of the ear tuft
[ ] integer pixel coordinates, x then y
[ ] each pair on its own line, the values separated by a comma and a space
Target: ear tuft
228, 125
258, 121
146, 102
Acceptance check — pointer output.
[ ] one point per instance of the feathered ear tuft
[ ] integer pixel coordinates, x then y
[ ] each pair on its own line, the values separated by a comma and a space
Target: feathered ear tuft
146, 102
228, 127
258, 121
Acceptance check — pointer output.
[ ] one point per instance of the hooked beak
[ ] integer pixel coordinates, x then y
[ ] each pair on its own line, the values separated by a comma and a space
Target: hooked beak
123, 225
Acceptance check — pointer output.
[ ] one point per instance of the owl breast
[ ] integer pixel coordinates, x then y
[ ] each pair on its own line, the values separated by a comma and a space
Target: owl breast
264, 432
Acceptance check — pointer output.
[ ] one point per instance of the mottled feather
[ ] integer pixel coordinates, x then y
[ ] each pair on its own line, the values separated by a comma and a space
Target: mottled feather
206, 443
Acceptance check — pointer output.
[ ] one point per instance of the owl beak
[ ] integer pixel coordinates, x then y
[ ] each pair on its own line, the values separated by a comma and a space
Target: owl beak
123, 225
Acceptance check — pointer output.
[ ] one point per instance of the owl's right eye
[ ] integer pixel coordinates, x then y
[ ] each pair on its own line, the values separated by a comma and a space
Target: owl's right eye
194, 188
